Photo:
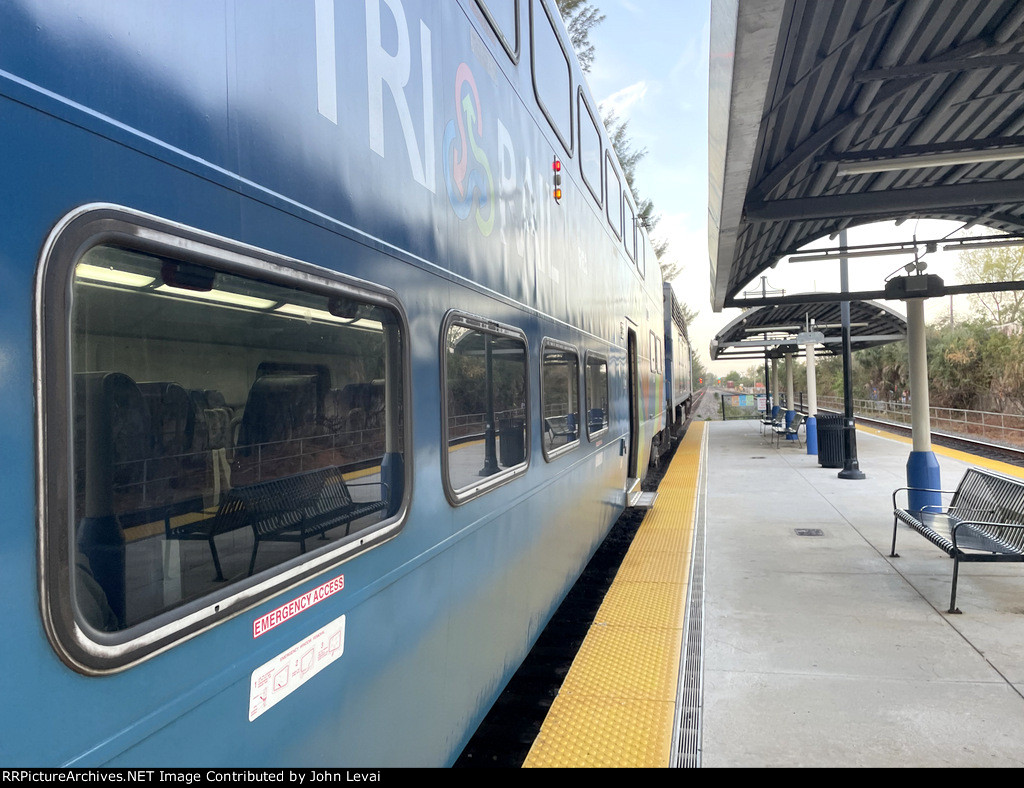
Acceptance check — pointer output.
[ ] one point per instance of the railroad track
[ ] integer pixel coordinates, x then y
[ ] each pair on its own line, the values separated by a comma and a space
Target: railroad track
987, 449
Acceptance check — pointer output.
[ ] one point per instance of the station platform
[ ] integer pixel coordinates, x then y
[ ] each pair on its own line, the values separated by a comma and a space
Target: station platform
801, 643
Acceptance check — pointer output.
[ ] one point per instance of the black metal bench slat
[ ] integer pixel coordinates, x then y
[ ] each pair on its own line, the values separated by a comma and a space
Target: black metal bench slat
985, 516
317, 502
230, 516
291, 508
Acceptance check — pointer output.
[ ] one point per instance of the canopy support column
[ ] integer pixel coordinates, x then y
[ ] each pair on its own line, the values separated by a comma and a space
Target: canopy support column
775, 388
812, 402
922, 466
790, 400
851, 467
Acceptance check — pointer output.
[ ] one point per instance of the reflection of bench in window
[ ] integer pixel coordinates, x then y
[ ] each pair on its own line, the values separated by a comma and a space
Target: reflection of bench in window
295, 508
289, 509
560, 429
230, 516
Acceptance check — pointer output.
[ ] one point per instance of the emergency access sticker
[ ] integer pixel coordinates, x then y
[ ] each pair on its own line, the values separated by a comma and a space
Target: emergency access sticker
265, 623
275, 680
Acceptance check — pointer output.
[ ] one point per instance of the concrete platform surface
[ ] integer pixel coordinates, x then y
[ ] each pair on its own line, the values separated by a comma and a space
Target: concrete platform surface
822, 651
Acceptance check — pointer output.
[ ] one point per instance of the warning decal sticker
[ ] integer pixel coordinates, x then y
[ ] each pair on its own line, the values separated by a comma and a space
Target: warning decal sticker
275, 680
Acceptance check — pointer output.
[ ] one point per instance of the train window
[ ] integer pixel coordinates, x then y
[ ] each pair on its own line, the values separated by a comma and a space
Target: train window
596, 382
552, 78
613, 205
590, 149
656, 357
630, 228
503, 17
559, 398
485, 405
230, 432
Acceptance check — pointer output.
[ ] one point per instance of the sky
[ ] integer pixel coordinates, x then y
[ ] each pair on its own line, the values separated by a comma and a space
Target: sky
651, 66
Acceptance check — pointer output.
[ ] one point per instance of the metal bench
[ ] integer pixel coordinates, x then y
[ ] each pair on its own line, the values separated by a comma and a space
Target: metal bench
781, 431
768, 423
984, 521
561, 428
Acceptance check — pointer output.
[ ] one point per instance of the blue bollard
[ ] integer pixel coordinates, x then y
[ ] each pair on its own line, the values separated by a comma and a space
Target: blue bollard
923, 471
811, 439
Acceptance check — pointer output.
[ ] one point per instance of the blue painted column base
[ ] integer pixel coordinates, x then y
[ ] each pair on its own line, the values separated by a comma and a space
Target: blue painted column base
812, 435
392, 477
790, 415
923, 471
775, 411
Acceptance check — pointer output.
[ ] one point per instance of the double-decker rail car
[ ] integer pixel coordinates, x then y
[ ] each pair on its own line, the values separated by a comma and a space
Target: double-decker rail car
331, 350
678, 362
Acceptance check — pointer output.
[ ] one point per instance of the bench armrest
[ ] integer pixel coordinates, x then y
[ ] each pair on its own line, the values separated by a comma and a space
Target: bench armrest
387, 489
957, 510
989, 523
917, 489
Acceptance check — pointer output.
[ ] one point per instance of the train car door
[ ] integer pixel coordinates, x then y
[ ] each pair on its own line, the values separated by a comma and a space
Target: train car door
633, 480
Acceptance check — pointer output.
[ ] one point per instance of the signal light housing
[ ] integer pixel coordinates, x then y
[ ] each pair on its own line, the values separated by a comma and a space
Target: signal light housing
556, 170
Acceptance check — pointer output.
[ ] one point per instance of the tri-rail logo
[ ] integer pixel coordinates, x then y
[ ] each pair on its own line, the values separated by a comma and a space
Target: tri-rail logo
264, 624
467, 171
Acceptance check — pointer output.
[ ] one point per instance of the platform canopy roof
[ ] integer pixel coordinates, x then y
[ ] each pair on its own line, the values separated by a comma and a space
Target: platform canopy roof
825, 114
777, 330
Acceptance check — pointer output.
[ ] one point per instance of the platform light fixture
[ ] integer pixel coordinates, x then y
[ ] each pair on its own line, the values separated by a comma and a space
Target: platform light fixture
922, 161
966, 244
813, 258
769, 329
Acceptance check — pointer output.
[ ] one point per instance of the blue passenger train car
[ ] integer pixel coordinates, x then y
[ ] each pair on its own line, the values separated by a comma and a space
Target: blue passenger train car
678, 362
331, 348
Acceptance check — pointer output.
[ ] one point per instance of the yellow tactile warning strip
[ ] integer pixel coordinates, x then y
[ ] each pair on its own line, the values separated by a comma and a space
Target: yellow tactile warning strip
617, 703
970, 459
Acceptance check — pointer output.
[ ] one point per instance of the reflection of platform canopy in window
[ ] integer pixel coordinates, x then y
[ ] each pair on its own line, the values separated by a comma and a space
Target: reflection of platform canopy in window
474, 343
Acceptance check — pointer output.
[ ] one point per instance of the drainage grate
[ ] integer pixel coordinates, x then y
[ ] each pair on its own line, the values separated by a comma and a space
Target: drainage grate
809, 532
690, 697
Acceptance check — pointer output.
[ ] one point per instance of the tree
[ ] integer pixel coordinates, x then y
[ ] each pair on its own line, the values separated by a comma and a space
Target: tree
629, 157
697, 369
1004, 358
998, 264
882, 372
957, 373
580, 17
